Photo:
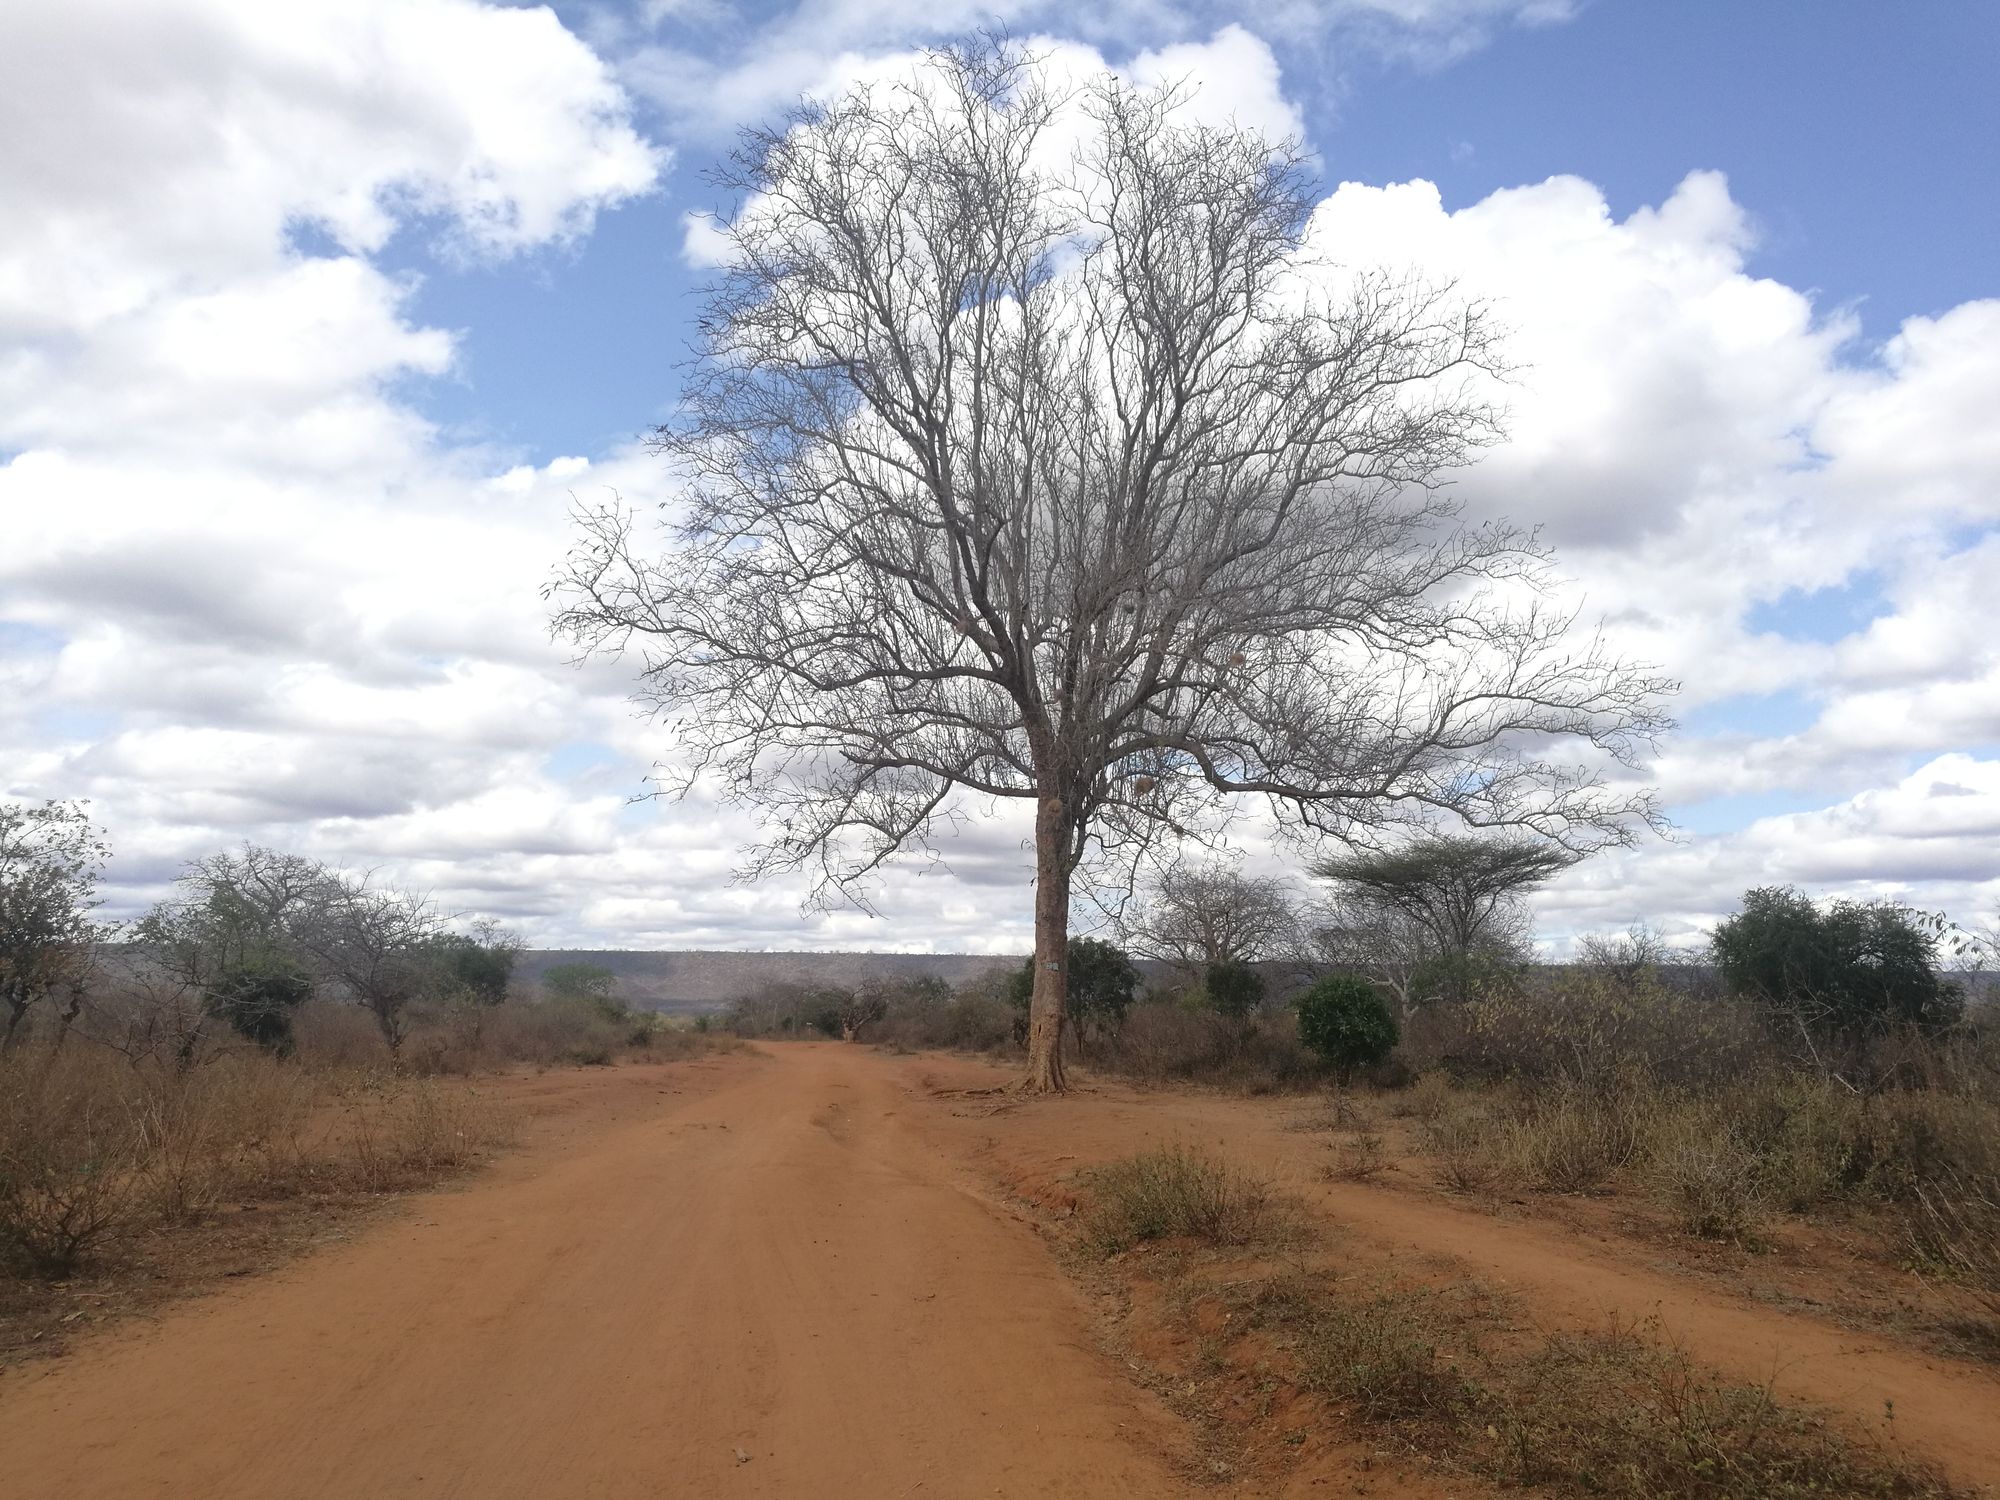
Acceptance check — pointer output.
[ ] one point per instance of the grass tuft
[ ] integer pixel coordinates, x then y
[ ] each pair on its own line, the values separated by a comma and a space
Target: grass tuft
1176, 1193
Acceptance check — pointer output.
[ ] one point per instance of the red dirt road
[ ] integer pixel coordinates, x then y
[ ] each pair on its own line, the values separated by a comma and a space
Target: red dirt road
787, 1272
769, 1284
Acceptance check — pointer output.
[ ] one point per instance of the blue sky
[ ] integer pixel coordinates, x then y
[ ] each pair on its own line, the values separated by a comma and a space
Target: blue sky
1859, 135
295, 383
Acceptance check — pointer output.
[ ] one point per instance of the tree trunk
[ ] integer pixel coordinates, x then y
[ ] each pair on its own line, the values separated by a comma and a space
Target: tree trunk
69, 1014
1045, 1003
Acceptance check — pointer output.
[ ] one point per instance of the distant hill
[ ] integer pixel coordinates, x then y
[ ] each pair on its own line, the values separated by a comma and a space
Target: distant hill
696, 980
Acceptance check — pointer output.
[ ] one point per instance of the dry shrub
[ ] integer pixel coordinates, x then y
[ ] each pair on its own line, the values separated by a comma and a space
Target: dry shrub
1591, 1026
1176, 1193
1806, 1134
1954, 1223
966, 1022
1570, 1139
1703, 1173
331, 1037
1255, 1054
1359, 1158
1618, 1413
407, 1132
544, 1033
1427, 1099
1624, 1415
232, 1126
1906, 1139
677, 1043
1381, 1357
1466, 1147
69, 1153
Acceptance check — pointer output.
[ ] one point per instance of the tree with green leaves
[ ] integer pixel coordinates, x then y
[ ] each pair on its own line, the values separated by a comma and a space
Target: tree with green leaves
1346, 1024
50, 859
1102, 983
1232, 987
1844, 970
580, 980
479, 963
230, 935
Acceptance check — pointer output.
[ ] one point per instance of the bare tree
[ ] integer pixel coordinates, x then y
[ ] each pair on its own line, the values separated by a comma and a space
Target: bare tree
1638, 950
50, 859
377, 943
1029, 454
1358, 936
146, 1012
1196, 916
231, 935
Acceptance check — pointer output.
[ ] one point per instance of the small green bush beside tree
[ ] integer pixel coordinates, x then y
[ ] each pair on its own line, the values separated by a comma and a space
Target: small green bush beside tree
1345, 1022
1102, 982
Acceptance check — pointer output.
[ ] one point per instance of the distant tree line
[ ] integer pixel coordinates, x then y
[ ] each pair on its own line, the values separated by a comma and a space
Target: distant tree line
246, 938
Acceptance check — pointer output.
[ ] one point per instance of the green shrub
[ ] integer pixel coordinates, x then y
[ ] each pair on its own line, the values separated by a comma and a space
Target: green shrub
1345, 1023
1232, 987
258, 997
1846, 970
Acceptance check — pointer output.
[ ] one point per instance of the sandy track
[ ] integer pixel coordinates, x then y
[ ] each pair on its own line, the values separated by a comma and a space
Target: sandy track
776, 1262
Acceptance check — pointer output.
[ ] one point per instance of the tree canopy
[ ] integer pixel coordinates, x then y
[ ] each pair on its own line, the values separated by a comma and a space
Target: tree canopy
1844, 969
1034, 449
1440, 904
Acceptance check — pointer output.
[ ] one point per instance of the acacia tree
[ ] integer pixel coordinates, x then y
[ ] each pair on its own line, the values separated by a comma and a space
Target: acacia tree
1029, 453
1458, 894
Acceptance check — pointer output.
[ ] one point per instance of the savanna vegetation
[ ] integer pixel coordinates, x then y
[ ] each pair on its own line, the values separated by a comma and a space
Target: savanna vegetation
1814, 1064
273, 1036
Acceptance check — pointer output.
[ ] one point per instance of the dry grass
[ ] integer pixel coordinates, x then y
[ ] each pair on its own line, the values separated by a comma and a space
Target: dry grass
1572, 1140
1380, 1356
93, 1149
1954, 1224
1362, 1157
1620, 1412
407, 1133
1176, 1193
1466, 1145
